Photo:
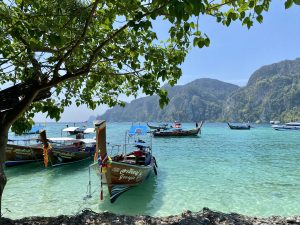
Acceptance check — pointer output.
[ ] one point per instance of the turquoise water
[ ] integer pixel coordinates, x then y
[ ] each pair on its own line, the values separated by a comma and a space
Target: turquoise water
254, 172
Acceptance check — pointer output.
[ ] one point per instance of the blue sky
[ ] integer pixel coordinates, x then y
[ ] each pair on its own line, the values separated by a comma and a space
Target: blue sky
234, 52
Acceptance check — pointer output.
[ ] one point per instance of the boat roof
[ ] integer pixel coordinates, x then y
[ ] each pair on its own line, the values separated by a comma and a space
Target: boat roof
138, 130
89, 130
68, 129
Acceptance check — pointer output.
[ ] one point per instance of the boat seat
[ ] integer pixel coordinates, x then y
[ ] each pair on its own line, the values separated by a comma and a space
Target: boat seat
140, 160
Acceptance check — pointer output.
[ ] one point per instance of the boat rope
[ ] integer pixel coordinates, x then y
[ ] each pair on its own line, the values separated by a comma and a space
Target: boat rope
103, 164
101, 184
89, 187
89, 195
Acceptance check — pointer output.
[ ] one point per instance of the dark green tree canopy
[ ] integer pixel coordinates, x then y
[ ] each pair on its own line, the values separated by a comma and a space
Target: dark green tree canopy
90, 52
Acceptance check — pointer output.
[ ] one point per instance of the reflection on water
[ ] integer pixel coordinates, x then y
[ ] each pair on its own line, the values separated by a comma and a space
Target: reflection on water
136, 201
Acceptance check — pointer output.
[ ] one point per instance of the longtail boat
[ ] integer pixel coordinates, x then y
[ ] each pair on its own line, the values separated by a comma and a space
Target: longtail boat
17, 154
62, 151
239, 126
163, 126
123, 171
178, 132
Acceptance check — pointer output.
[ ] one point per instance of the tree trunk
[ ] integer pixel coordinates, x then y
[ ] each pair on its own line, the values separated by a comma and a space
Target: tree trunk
3, 142
7, 118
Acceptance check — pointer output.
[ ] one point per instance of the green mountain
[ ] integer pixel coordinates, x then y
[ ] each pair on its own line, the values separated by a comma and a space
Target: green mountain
272, 93
201, 99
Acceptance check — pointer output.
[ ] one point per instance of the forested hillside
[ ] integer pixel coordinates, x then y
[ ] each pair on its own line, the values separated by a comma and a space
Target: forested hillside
272, 93
201, 99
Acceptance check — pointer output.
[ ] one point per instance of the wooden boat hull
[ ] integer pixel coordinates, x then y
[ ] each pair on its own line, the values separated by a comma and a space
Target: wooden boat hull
177, 133
236, 127
120, 177
18, 154
69, 154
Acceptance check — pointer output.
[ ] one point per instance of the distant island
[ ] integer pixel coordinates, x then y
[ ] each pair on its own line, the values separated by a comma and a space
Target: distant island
272, 93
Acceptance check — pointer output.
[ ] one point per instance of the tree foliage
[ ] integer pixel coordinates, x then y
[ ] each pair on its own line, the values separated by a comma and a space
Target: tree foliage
90, 52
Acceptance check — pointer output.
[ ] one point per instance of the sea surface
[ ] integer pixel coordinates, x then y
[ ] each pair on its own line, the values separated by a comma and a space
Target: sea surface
253, 172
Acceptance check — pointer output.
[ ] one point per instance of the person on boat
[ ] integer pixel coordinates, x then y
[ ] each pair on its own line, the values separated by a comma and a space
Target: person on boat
177, 124
196, 125
80, 136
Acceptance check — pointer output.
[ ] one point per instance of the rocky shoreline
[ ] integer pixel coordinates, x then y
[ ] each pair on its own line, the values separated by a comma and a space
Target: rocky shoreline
204, 217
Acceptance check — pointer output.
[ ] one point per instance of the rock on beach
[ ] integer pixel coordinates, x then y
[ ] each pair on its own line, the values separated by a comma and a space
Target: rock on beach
204, 217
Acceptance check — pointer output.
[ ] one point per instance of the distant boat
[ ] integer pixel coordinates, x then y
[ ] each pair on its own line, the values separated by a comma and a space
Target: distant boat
274, 122
239, 126
64, 150
288, 126
78, 130
124, 170
162, 126
177, 131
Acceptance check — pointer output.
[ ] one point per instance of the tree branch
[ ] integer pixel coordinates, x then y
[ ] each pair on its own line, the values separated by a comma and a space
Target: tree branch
43, 49
85, 68
20, 108
80, 39
34, 62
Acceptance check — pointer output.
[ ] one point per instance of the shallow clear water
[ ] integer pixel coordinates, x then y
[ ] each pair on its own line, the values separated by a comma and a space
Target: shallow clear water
254, 172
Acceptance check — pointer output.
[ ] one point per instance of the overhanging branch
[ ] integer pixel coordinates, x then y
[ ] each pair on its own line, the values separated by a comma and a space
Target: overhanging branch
77, 43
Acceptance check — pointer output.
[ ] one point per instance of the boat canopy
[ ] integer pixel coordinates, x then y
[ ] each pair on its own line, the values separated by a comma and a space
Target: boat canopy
138, 130
70, 129
89, 130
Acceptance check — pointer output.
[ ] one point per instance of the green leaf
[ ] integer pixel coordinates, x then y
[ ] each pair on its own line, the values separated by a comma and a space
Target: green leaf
195, 42
206, 41
228, 21
119, 65
251, 3
258, 9
259, 18
288, 4
201, 42
297, 2
186, 27
242, 15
